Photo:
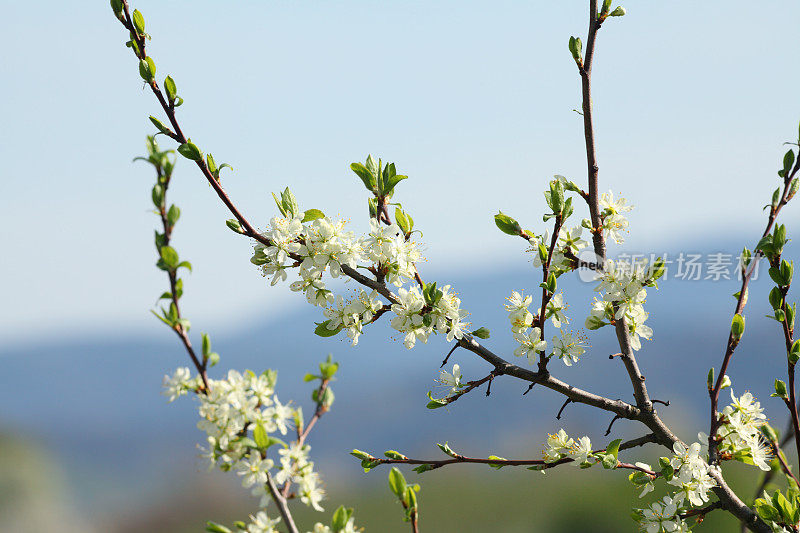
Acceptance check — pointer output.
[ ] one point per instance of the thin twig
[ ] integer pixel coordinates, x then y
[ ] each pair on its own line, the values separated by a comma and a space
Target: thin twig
608, 430
566, 402
453, 349
282, 504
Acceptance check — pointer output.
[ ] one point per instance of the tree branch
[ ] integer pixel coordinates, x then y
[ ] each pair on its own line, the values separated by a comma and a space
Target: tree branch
282, 504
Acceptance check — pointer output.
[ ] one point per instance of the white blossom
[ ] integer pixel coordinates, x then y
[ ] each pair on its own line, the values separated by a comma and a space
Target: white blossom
178, 383
453, 381
569, 347
530, 344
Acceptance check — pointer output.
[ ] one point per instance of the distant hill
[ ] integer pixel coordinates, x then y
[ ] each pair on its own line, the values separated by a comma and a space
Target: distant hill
96, 404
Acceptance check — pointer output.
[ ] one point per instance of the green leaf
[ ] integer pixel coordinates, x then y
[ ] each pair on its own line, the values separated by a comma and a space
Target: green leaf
710, 378
507, 225
211, 164
411, 499
793, 187
138, 21
766, 511
289, 202
498, 466
618, 12
310, 377
170, 257
235, 225
613, 448
185, 264
555, 197
367, 177
446, 449
364, 456
405, 222
737, 326
780, 390
206, 344
788, 161
609, 461
213, 527
392, 454
390, 182
190, 151
323, 331
340, 518
435, 403
551, 283
787, 271
147, 69
397, 483
260, 436
329, 368
423, 468
312, 214
157, 195
118, 9
481, 333
576, 48
160, 125
173, 214
172, 91
775, 298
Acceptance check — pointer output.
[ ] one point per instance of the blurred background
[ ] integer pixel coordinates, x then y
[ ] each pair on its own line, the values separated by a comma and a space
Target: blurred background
474, 101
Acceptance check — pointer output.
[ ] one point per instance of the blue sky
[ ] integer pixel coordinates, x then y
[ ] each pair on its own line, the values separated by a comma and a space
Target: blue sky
473, 100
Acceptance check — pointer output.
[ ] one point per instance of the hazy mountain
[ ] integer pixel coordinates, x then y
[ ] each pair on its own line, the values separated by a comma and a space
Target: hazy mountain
96, 404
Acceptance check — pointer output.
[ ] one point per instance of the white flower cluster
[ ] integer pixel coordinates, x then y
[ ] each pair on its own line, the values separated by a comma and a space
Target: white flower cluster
179, 383
348, 528
741, 431
614, 223
569, 241
418, 316
691, 474
521, 319
261, 523
324, 245
662, 516
387, 246
568, 346
296, 468
622, 287
560, 446
352, 315
231, 413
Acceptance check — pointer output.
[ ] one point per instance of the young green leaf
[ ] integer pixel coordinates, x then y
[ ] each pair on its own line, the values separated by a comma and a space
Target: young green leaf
160, 125
323, 331
507, 225
172, 91
138, 21
367, 177
190, 151
312, 214
235, 225
481, 333
397, 483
